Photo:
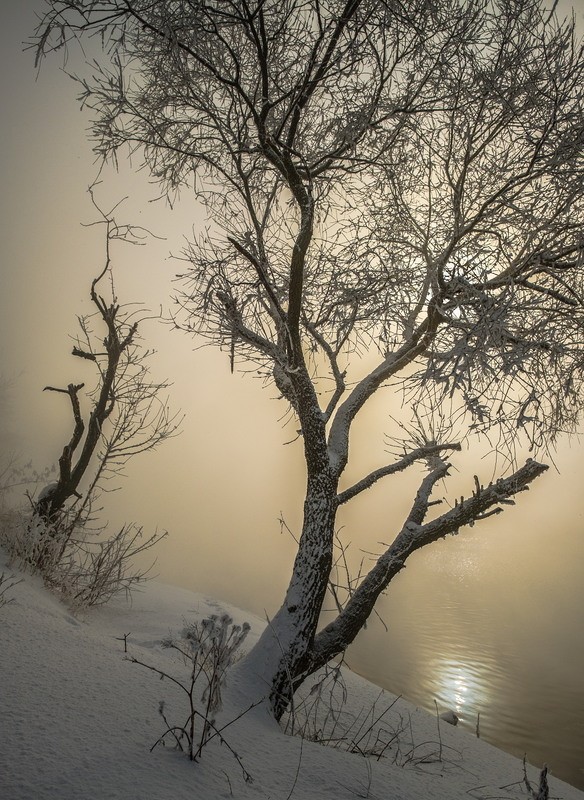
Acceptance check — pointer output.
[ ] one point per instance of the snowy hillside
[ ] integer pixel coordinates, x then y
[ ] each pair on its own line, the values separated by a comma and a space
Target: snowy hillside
78, 719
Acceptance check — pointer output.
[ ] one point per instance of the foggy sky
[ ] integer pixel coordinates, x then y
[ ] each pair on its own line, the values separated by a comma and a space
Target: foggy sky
220, 487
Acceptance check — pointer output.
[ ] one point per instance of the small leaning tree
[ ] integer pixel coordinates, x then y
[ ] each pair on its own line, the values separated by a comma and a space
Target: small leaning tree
128, 413
405, 179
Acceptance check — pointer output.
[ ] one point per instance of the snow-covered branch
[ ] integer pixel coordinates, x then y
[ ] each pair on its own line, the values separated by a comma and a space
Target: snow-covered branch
414, 535
338, 441
390, 469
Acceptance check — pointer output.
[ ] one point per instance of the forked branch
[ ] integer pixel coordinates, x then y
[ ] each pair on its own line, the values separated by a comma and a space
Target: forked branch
409, 459
337, 635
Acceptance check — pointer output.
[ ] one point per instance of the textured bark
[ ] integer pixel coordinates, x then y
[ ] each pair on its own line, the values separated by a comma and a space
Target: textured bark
55, 498
297, 620
340, 633
290, 649
71, 473
284, 648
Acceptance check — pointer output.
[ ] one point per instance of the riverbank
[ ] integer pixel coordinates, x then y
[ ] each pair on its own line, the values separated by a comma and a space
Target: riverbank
78, 720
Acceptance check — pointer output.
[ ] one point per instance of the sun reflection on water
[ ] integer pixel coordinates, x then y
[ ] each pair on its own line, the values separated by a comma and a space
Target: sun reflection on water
460, 687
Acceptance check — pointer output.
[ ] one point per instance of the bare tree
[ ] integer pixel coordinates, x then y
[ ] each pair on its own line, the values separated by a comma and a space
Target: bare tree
401, 179
129, 414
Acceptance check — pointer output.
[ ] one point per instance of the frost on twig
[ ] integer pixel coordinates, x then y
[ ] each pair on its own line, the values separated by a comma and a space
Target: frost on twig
542, 792
208, 648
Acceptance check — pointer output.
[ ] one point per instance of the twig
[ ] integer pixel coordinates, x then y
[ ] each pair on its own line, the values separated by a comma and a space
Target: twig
123, 638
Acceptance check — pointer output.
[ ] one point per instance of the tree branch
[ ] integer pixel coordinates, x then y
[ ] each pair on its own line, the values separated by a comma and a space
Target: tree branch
66, 456
391, 469
338, 441
338, 634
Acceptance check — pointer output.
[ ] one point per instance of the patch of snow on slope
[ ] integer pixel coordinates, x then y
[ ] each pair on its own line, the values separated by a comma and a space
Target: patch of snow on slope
77, 719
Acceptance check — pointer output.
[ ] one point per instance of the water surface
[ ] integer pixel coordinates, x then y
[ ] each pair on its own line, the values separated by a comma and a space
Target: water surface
472, 631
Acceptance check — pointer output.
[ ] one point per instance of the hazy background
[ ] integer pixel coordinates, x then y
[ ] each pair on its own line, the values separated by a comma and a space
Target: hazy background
220, 487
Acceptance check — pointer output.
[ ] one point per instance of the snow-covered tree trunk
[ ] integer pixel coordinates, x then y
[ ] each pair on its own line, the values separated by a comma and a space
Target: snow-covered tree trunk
290, 649
279, 658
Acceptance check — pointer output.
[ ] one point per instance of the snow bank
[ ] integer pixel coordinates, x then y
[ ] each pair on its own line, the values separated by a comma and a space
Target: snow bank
77, 720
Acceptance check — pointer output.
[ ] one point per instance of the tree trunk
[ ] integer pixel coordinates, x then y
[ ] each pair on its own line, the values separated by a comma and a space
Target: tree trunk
289, 649
279, 658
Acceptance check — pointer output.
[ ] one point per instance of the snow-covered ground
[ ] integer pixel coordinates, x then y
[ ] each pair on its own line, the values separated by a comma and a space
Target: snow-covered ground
78, 719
